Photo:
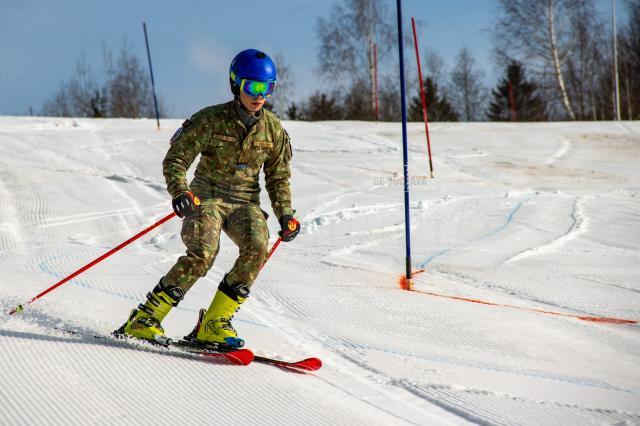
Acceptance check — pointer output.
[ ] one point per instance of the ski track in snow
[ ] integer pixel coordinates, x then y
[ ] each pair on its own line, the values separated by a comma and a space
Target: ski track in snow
514, 226
487, 234
561, 153
579, 226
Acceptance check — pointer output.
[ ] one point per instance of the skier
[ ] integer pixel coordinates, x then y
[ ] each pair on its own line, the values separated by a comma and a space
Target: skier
235, 140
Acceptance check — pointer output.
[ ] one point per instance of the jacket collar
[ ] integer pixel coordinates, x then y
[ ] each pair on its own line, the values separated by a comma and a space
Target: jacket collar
247, 119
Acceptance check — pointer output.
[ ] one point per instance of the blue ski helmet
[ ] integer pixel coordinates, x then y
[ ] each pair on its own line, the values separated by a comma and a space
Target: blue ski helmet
251, 64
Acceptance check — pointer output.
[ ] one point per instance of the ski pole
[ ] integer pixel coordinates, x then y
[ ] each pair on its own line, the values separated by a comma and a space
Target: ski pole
275, 246
20, 308
277, 243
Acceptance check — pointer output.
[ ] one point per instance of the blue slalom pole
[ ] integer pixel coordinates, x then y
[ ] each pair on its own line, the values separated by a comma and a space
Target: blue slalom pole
405, 151
153, 84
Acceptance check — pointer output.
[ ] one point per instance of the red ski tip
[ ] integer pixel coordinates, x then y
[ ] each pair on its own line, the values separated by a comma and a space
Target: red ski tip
310, 364
238, 357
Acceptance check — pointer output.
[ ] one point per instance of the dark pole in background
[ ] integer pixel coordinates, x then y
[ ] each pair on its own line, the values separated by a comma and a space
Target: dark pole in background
616, 80
405, 151
153, 84
375, 81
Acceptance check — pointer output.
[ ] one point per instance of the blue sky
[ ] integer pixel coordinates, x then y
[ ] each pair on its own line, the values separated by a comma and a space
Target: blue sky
193, 42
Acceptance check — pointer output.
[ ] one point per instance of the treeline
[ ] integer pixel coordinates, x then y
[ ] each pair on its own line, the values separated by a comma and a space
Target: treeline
568, 49
556, 57
121, 89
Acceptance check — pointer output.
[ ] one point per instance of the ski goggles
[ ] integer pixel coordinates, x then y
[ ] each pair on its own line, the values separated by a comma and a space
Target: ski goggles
255, 88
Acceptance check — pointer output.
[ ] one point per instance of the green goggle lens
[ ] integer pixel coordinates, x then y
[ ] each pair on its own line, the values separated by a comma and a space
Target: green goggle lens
255, 88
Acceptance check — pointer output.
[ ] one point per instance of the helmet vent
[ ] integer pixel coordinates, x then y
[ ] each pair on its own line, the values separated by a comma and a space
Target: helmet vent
260, 55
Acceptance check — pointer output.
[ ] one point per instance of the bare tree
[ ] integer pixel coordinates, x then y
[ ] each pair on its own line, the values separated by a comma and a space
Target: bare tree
554, 48
630, 61
434, 69
467, 93
389, 93
285, 86
123, 91
129, 86
587, 60
58, 105
538, 34
87, 97
81, 96
347, 37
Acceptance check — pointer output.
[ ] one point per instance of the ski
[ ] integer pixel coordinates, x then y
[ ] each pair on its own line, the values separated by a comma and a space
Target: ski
241, 356
309, 364
236, 357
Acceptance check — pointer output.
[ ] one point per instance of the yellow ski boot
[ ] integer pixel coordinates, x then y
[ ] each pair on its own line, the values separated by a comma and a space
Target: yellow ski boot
214, 330
144, 322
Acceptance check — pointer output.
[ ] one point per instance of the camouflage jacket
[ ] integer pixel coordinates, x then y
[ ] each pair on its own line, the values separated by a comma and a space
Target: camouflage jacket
231, 157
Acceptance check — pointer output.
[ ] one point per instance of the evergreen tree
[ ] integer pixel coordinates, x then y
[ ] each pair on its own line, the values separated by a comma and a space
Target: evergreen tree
515, 88
438, 108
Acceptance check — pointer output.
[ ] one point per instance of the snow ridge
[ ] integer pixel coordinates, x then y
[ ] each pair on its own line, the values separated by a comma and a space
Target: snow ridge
579, 226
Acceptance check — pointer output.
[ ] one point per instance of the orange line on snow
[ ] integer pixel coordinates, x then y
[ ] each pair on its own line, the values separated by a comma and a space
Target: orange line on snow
402, 283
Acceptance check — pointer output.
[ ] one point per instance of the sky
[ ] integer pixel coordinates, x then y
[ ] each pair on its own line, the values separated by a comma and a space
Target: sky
192, 43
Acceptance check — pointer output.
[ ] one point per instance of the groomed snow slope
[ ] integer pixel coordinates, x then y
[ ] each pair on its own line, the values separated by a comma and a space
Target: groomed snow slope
538, 216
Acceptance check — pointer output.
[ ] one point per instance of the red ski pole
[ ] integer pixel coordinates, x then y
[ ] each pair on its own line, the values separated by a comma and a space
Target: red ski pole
277, 243
20, 308
275, 246
425, 114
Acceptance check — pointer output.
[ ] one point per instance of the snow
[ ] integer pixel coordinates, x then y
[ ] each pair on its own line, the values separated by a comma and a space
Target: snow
526, 217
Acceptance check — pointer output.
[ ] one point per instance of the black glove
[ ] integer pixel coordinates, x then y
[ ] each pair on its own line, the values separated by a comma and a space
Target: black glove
290, 228
186, 204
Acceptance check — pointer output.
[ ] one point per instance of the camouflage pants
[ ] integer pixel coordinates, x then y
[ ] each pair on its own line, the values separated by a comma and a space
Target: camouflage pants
244, 223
